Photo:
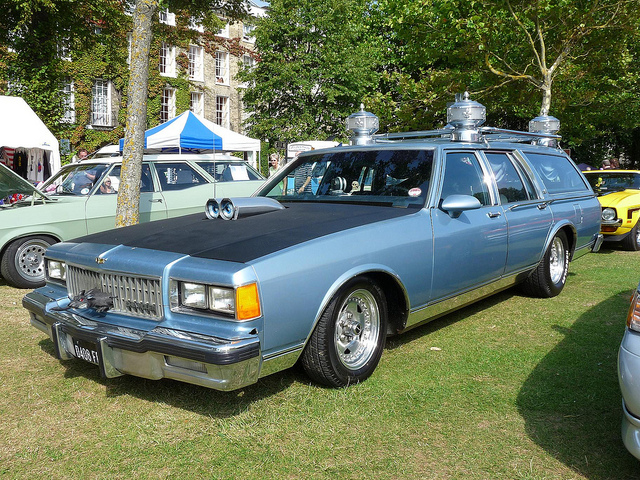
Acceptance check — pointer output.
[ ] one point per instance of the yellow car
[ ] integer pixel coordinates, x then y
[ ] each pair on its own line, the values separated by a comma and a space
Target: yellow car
619, 195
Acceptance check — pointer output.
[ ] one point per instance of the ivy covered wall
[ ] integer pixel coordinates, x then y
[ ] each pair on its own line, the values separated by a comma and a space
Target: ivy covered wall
104, 56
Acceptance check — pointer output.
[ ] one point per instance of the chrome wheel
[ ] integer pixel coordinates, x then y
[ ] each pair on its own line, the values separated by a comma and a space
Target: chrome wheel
29, 259
347, 342
357, 329
548, 278
557, 260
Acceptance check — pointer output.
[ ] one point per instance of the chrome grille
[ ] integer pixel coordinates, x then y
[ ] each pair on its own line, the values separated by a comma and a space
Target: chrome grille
138, 296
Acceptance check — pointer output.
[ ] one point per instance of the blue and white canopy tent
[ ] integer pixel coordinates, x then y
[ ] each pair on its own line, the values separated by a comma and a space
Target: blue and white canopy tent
189, 132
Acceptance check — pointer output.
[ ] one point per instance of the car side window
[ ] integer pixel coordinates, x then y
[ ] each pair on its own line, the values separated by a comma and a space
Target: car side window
557, 172
464, 176
177, 176
229, 171
146, 182
510, 185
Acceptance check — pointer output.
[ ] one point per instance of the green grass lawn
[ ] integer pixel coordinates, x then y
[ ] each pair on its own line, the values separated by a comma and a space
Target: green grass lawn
509, 388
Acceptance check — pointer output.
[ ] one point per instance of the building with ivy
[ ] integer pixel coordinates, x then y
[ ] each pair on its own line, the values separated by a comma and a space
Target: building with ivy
190, 68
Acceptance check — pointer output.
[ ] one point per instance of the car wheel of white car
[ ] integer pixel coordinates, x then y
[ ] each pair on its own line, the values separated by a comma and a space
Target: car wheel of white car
549, 277
632, 241
23, 261
348, 341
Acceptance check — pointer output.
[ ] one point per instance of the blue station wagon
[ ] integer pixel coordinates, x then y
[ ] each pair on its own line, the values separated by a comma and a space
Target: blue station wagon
374, 238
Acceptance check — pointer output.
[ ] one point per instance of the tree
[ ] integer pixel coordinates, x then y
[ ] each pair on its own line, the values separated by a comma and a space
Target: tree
317, 61
515, 56
127, 211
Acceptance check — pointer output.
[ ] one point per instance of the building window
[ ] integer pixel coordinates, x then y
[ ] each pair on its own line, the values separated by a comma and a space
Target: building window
69, 102
168, 105
244, 116
64, 51
167, 60
101, 103
247, 32
167, 17
224, 31
196, 63
222, 111
196, 104
195, 24
248, 63
222, 68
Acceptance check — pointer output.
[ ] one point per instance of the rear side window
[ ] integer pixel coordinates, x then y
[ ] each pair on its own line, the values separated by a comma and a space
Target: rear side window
509, 183
230, 171
177, 176
557, 172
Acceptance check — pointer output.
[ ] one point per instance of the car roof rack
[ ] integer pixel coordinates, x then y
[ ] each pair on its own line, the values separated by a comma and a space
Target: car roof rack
464, 120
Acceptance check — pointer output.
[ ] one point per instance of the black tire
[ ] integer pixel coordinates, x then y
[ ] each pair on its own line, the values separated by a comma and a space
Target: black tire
22, 264
632, 241
348, 340
549, 277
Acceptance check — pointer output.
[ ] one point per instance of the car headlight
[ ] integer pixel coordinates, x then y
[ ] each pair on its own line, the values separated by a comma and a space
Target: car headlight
56, 270
609, 214
633, 317
242, 303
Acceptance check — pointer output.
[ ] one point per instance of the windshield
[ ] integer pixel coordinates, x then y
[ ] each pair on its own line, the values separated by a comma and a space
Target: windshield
77, 179
604, 182
12, 187
394, 177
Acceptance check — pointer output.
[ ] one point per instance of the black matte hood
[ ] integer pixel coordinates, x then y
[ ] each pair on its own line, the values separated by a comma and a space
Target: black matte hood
248, 238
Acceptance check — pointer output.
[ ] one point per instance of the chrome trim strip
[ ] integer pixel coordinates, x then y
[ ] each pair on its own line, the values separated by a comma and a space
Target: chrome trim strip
279, 361
448, 305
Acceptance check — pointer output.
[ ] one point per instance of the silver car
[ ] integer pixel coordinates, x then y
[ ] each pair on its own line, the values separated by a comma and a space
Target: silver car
629, 377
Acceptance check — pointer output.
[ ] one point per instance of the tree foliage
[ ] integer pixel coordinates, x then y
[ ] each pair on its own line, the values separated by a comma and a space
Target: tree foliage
512, 54
317, 60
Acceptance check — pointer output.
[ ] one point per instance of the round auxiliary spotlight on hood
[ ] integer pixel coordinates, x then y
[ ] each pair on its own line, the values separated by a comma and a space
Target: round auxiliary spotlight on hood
465, 116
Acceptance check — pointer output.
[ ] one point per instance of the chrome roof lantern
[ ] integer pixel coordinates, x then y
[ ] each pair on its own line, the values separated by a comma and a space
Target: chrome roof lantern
545, 124
465, 116
362, 126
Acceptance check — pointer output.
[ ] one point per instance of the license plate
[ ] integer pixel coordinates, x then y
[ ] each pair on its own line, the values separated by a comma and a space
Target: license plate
86, 351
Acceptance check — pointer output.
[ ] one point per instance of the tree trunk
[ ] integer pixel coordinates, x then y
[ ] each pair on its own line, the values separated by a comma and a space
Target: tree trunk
546, 95
127, 211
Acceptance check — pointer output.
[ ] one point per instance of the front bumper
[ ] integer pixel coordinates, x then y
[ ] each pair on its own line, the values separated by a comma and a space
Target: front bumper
617, 236
222, 364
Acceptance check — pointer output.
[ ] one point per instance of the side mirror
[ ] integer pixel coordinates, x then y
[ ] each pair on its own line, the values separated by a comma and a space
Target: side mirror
454, 205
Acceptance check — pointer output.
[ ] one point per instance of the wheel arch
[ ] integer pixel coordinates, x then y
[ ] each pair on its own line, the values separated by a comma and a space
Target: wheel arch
570, 232
396, 296
26, 234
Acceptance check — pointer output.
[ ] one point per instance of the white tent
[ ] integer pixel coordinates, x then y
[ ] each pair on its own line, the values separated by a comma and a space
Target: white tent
20, 127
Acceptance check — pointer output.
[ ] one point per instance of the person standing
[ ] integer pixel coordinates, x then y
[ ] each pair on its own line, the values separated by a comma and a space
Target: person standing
274, 163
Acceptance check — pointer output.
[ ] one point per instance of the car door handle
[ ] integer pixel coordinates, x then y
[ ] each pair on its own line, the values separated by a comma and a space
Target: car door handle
493, 214
155, 200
